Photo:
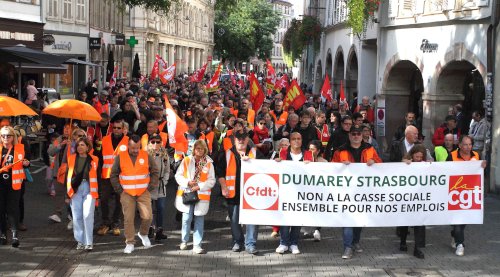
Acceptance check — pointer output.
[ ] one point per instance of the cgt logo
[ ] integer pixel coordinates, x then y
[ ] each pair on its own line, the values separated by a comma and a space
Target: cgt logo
260, 191
465, 192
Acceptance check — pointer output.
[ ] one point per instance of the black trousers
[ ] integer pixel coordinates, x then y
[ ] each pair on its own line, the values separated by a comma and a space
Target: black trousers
107, 195
419, 235
9, 208
458, 232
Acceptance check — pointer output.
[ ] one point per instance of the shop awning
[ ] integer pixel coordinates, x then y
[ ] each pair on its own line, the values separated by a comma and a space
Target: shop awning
80, 62
41, 68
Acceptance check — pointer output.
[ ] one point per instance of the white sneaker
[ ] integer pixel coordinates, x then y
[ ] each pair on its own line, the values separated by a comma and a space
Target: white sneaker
295, 249
70, 225
145, 240
198, 250
129, 249
317, 235
55, 218
281, 249
453, 243
183, 246
460, 250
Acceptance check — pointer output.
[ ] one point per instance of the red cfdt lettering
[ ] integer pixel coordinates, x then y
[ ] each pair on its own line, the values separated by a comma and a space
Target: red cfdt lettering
252, 191
466, 199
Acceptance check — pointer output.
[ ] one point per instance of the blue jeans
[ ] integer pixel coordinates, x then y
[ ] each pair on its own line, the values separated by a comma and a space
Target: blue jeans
159, 209
252, 231
289, 235
198, 227
351, 235
82, 209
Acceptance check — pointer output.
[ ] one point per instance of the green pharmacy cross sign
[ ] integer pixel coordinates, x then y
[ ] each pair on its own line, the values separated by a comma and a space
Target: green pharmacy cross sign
132, 41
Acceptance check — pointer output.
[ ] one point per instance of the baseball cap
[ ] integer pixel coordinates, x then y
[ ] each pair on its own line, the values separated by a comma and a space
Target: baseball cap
356, 128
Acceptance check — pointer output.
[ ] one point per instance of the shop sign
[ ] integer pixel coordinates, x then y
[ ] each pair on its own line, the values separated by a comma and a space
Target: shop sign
120, 39
427, 47
62, 46
95, 43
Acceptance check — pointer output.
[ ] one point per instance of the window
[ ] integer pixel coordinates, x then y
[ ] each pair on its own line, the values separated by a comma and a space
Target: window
67, 9
80, 10
53, 8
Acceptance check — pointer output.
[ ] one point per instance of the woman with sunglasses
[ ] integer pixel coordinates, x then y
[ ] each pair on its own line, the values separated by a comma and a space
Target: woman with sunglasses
12, 161
261, 136
158, 196
81, 187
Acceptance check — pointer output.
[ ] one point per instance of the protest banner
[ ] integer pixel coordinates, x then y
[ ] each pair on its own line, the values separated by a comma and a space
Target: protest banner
356, 195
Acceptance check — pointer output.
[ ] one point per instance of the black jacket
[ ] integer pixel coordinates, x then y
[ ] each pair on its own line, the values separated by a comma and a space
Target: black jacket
338, 138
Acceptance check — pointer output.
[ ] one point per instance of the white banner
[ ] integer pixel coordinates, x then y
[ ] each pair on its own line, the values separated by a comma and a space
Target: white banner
336, 195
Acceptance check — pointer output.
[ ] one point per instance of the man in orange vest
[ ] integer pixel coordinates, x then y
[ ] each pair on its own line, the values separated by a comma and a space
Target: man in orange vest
245, 109
151, 129
133, 175
280, 116
103, 106
112, 145
355, 151
228, 173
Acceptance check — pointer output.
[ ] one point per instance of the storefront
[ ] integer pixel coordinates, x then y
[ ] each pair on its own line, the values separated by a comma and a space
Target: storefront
101, 45
12, 33
75, 77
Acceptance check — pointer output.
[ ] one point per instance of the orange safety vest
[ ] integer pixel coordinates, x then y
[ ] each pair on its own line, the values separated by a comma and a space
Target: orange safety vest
134, 178
102, 108
250, 117
202, 195
325, 134
227, 143
281, 120
456, 158
209, 139
92, 176
109, 154
145, 140
17, 169
231, 170
367, 154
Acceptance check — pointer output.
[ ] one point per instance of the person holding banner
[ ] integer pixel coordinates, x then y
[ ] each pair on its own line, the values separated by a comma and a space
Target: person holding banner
463, 153
195, 174
228, 172
316, 149
417, 153
290, 234
355, 151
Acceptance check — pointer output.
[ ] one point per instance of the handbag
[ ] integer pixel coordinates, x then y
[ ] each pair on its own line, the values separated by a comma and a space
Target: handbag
190, 197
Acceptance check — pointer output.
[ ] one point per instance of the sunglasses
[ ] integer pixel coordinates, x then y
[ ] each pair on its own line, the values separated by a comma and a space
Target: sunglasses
80, 136
7, 136
155, 142
117, 128
262, 123
354, 134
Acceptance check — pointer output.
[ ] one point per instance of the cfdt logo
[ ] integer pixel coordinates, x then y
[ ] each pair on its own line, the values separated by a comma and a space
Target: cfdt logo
260, 191
465, 192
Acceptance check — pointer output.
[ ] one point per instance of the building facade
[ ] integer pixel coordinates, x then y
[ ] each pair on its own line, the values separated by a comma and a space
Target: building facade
66, 33
185, 36
285, 9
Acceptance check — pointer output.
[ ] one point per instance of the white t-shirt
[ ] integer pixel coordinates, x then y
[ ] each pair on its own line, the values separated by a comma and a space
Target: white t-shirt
296, 157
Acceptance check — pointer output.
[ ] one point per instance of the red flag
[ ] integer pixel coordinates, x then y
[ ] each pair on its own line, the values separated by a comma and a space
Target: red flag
155, 71
326, 90
271, 75
213, 85
166, 75
198, 74
342, 94
256, 93
176, 128
294, 97
112, 82
282, 83
241, 83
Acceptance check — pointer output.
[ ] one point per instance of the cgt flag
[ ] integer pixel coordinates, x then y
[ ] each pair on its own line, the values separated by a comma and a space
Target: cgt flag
271, 76
282, 83
155, 70
256, 93
198, 74
294, 97
213, 85
112, 82
176, 129
326, 90
167, 75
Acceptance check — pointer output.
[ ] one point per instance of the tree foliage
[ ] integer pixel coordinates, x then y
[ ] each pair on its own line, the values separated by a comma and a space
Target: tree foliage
160, 6
245, 29
300, 34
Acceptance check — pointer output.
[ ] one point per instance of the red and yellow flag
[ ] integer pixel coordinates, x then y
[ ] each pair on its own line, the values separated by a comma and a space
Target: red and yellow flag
256, 94
271, 76
176, 129
294, 97
213, 85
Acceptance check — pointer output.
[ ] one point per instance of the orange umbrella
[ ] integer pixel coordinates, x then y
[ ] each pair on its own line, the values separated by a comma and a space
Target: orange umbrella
12, 107
73, 109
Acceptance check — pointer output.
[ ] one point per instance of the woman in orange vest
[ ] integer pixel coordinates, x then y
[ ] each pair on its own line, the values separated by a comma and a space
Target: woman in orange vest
463, 153
81, 187
12, 175
208, 136
195, 173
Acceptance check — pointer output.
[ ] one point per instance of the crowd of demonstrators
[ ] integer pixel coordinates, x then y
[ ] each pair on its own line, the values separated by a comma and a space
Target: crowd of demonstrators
125, 161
